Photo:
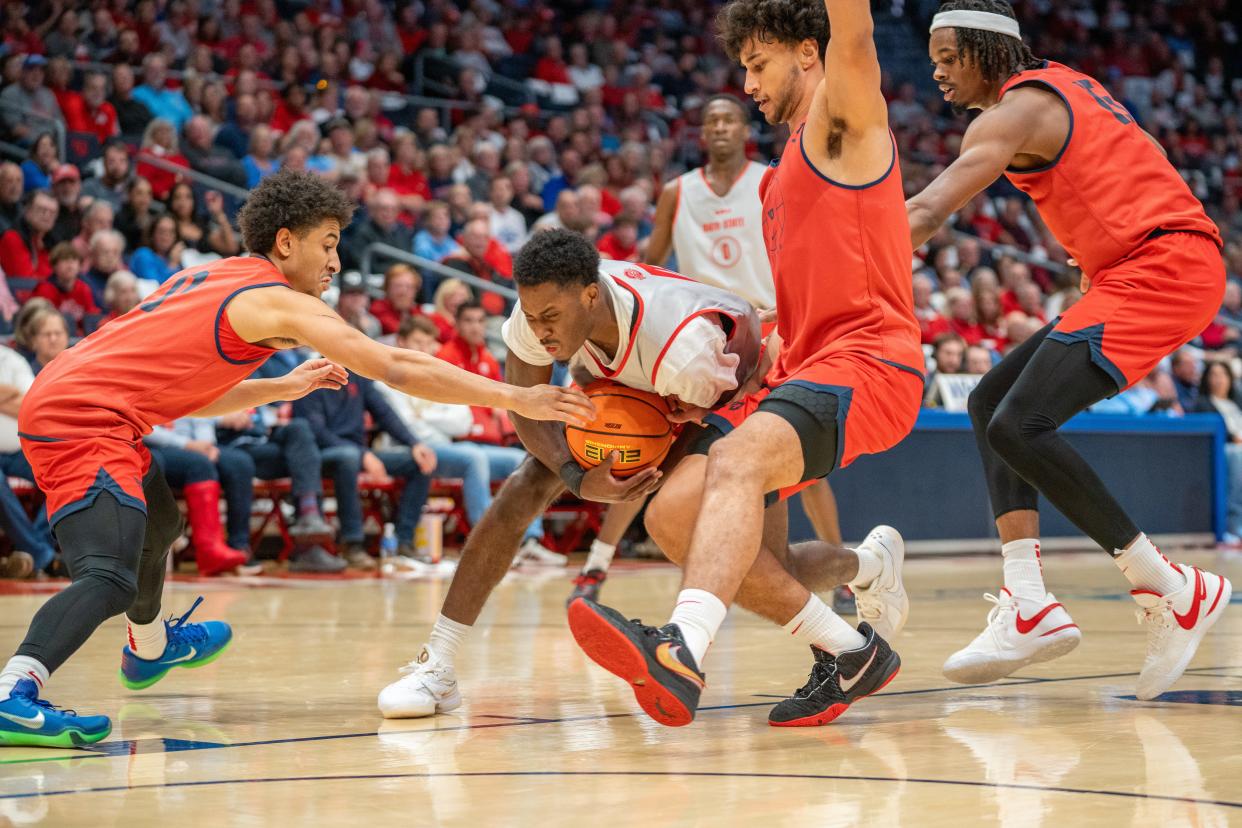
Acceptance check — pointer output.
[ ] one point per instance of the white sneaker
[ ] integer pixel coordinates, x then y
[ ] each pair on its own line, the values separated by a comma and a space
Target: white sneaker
1020, 631
428, 686
534, 553
1176, 623
884, 605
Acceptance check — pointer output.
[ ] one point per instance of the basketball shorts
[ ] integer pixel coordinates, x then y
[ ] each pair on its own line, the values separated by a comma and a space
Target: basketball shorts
842, 408
1141, 309
72, 471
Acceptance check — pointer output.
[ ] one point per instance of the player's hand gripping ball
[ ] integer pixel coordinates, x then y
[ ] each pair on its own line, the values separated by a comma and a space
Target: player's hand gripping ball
632, 423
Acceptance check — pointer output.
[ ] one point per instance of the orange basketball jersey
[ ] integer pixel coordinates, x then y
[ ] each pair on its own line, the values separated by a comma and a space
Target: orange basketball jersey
168, 357
840, 258
1109, 187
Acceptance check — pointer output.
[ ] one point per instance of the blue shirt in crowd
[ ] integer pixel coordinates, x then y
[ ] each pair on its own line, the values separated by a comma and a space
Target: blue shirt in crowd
338, 416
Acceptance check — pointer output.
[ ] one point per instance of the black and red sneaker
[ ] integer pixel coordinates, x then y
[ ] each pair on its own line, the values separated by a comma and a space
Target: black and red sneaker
653, 660
836, 682
587, 585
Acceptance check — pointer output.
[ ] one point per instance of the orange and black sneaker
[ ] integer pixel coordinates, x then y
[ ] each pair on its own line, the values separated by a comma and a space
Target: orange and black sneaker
836, 682
587, 585
653, 660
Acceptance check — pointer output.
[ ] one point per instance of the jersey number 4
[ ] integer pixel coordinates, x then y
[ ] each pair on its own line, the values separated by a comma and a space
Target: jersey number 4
184, 284
1118, 111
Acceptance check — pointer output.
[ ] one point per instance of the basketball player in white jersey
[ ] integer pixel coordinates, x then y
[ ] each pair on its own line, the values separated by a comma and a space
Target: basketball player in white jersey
711, 219
638, 325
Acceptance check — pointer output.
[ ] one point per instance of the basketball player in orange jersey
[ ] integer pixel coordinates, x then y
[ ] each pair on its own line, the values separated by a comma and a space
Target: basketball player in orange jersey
1153, 275
711, 218
640, 326
187, 350
846, 382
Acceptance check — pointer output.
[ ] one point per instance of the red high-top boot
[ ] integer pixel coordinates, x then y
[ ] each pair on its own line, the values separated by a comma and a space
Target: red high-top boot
211, 553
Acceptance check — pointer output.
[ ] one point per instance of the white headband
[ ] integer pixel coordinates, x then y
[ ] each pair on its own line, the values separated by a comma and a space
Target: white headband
985, 21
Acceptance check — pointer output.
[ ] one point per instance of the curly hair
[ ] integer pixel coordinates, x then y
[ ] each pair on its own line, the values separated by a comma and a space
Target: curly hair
996, 55
560, 256
782, 21
298, 201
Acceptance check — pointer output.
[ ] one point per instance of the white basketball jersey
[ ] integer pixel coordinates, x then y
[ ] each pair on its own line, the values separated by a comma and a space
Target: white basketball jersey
719, 239
677, 336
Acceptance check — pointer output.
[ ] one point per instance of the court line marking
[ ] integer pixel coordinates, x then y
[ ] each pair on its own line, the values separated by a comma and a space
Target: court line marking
694, 774
127, 747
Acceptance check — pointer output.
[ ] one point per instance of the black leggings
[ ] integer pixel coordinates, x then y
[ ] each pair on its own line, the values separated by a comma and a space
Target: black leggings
1016, 411
116, 557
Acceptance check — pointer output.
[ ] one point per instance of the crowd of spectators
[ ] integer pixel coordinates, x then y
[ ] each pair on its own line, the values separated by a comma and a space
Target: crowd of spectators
460, 128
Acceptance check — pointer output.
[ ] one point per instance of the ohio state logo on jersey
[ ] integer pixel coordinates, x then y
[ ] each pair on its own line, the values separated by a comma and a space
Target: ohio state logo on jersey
634, 273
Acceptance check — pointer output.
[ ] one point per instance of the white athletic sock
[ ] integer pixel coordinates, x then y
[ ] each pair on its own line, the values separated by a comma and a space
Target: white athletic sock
870, 565
446, 636
1145, 567
698, 615
600, 557
22, 667
817, 624
1024, 574
147, 640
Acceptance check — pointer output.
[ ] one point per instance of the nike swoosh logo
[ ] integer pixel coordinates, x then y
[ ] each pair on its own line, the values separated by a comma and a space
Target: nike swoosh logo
848, 684
192, 654
666, 655
34, 722
1191, 617
1025, 625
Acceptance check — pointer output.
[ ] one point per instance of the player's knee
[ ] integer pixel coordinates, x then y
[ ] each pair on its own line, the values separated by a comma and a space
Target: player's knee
114, 586
982, 402
298, 433
727, 461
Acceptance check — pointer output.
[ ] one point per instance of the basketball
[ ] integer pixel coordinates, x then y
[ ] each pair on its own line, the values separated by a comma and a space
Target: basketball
633, 423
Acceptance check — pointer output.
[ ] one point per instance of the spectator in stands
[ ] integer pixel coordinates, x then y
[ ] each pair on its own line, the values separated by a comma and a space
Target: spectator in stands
1031, 301
460, 205
567, 178
160, 256
104, 258
381, 226
1218, 393
988, 312
186, 451
12, 185
352, 301
978, 360
26, 106
1153, 394
621, 242
525, 200
486, 163
32, 539
23, 249
138, 213
439, 424
234, 133
205, 230
62, 41
568, 214
342, 153
1185, 371
450, 295
160, 141
157, 96
97, 217
210, 158
924, 310
406, 174
67, 188
41, 332
43, 160
484, 258
948, 356
467, 349
507, 225
434, 241
132, 115
121, 294
260, 162
67, 293
96, 116
337, 418
110, 186
402, 286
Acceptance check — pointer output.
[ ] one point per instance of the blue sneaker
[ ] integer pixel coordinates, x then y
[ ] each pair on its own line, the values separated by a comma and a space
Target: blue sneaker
189, 645
27, 720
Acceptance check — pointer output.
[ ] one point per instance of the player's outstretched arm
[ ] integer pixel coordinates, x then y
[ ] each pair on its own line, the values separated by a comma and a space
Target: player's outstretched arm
851, 88
988, 148
307, 377
546, 442
278, 313
660, 242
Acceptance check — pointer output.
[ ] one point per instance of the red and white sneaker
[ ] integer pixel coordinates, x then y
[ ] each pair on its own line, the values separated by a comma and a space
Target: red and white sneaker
1176, 623
1020, 631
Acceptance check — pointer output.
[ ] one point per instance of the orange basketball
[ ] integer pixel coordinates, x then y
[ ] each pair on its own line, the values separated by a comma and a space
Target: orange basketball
632, 423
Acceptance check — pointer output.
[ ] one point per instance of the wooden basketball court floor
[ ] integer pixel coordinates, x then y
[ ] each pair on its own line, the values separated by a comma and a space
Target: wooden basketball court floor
283, 730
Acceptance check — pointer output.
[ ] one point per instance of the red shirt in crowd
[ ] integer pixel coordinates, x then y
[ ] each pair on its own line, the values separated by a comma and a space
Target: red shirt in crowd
74, 304
490, 425
610, 248
390, 318
408, 182
969, 331
16, 258
551, 71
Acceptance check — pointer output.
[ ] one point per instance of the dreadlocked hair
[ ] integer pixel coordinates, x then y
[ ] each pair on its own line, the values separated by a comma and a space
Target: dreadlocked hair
998, 56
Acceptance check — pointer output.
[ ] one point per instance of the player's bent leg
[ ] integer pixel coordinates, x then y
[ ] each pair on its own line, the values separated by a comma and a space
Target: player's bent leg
154, 646
429, 683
